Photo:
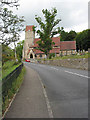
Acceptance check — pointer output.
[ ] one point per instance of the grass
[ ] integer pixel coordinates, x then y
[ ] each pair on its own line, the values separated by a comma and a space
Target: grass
69, 57
15, 86
8, 67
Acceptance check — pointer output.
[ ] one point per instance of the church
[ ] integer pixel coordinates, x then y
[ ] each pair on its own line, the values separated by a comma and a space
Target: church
60, 48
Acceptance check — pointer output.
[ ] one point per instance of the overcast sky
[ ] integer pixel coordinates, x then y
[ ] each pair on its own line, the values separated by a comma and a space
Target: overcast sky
73, 13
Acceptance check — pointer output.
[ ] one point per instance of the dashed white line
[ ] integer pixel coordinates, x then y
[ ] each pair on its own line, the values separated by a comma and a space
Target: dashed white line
77, 74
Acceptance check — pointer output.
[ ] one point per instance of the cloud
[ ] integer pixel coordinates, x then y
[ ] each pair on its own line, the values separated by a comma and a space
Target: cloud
74, 14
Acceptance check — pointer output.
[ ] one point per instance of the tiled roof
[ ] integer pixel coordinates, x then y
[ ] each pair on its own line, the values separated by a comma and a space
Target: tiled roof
68, 45
29, 28
55, 50
56, 40
38, 52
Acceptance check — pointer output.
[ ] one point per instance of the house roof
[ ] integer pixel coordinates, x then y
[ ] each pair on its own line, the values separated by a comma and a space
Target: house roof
56, 40
68, 45
54, 50
29, 28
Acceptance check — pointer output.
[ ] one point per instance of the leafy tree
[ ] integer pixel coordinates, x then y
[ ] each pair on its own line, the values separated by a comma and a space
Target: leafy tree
11, 26
65, 36
83, 40
10, 3
19, 49
7, 53
47, 30
71, 35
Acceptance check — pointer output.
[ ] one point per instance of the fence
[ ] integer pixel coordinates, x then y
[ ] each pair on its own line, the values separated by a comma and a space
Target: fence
8, 80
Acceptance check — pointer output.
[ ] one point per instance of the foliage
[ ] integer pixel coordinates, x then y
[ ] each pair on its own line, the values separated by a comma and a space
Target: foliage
65, 36
83, 40
9, 3
15, 86
51, 55
7, 53
19, 49
71, 35
8, 67
11, 25
47, 29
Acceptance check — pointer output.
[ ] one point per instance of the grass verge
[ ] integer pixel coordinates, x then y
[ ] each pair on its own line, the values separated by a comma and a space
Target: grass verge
8, 67
15, 87
87, 55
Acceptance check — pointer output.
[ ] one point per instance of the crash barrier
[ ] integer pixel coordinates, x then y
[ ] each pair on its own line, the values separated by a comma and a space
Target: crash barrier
9, 79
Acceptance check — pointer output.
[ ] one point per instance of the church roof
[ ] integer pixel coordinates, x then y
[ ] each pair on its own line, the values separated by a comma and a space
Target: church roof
56, 40
68, 45
29, 28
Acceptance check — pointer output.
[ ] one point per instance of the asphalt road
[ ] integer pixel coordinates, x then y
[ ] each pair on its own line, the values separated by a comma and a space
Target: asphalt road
67, 90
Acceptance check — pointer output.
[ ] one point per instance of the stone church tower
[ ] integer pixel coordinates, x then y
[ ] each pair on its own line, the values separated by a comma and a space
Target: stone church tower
29, 39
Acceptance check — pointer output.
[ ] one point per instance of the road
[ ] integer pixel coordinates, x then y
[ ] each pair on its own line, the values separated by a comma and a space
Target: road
67, 90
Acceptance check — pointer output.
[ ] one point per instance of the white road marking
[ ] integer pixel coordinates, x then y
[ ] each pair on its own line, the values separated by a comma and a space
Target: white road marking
54, 68
47, 100
77, 74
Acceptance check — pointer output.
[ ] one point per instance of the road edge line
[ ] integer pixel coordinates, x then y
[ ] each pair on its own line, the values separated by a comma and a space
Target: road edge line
47, 100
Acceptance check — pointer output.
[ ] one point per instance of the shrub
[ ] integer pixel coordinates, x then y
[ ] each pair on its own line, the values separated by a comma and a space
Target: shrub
51, 55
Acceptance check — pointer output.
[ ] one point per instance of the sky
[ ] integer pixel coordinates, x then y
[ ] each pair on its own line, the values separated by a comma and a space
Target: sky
73, 13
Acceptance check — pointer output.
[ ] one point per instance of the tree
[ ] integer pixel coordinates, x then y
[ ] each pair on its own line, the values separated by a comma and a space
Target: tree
19, 49
11, 24
65, 36
83, 40
7, 53
47, 30
71, 35
10, 3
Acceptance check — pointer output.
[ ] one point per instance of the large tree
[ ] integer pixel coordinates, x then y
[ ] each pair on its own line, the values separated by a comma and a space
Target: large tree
68, 36
19, 49
83, 40
47, 29
11, 24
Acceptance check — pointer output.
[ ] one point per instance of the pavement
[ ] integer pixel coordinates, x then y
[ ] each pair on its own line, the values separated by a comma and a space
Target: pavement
30, 101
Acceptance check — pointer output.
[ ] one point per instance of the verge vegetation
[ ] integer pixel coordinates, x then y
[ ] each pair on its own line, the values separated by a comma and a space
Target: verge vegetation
14, 89
8, 67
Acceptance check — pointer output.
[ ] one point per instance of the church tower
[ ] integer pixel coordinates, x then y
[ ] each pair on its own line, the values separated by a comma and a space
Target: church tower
29, 39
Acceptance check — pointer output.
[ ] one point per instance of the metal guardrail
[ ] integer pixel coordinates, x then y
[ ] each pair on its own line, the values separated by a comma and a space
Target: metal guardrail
8, 80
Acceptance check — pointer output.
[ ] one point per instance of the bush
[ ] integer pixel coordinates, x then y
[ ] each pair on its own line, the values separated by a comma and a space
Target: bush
51, 55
